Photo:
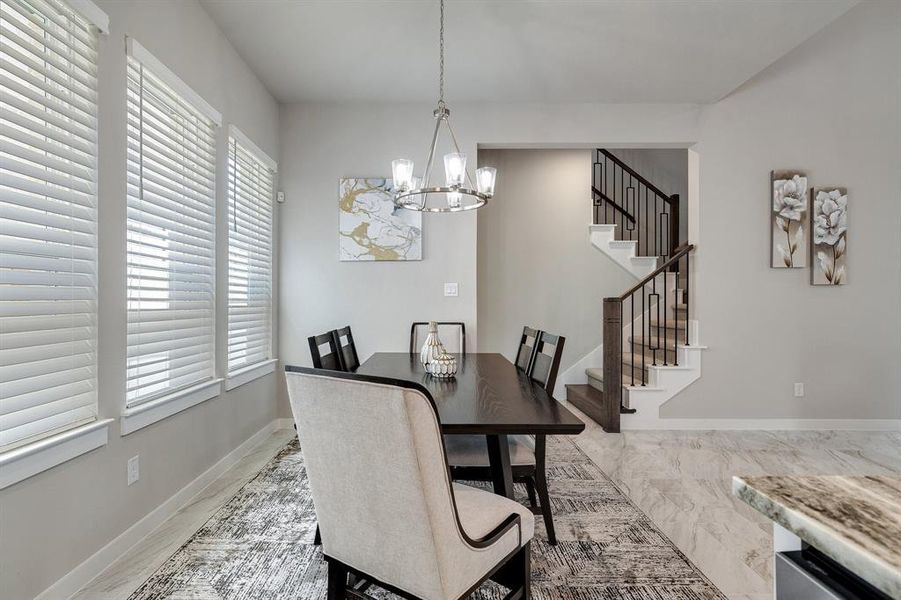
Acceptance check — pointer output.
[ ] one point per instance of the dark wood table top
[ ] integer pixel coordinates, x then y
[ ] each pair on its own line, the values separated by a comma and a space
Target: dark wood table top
487, 396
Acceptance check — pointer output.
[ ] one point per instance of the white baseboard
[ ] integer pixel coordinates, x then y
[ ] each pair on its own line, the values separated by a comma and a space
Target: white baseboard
84, 573
284, 423
766, 424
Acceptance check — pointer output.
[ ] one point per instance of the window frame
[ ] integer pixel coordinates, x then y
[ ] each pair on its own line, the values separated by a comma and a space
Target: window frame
238, 140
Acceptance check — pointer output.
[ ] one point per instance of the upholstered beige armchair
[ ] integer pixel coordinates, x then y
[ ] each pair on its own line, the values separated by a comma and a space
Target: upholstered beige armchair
387, 510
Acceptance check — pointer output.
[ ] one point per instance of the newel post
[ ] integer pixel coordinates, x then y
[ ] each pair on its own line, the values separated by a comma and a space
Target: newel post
613, 358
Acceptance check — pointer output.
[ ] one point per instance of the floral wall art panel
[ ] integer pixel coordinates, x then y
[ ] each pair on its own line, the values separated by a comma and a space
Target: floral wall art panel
371, 227
829, 223
789, 220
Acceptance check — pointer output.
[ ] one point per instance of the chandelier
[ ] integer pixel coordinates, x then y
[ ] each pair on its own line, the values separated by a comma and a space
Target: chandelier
459, 191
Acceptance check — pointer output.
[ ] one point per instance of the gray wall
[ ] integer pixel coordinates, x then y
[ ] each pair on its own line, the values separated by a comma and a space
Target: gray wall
535, 264
766, 329
53, 521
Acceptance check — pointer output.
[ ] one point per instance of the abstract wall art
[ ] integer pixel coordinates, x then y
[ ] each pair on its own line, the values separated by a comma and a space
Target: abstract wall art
788, 220
370, 227
829, 243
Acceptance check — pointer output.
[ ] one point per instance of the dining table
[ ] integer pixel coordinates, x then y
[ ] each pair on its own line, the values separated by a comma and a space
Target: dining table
487, 396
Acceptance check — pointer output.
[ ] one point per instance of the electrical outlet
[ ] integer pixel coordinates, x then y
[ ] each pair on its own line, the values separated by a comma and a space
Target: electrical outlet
799, 390
280, 197
451, 289
134, 469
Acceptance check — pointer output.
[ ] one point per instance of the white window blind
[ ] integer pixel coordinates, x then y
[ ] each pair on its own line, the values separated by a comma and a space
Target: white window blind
48, 220
170, 233
250, 191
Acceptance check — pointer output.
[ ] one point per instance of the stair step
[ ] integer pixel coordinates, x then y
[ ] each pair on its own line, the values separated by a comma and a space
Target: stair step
668, 342
672, 323
596, 379
624, 244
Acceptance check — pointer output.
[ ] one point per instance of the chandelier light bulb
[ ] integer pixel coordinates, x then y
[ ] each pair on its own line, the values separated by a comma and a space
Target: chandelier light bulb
485, 178
455, 168
402, 171
454, 199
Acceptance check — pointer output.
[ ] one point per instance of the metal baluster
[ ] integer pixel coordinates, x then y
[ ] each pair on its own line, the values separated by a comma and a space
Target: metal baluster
644, 318
676, 333
632, 337
687, 297
648, 343
665, 317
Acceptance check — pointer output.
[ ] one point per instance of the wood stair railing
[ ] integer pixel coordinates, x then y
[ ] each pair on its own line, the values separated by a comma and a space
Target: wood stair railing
639, 209
644, 327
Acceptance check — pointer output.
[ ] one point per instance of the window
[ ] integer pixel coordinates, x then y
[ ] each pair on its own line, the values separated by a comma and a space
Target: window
171, 258
48, 220
250, 190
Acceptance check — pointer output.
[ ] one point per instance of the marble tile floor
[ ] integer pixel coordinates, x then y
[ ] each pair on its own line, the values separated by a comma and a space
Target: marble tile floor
683, 481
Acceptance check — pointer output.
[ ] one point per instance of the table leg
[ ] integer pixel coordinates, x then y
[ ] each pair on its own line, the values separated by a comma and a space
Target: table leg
499, 459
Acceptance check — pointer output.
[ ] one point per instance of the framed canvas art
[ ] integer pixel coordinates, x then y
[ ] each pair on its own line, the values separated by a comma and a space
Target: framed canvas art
829, 247
788, 220
371, 227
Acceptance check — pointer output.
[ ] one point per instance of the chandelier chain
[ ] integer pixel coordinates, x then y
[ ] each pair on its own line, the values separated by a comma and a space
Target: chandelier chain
441, 58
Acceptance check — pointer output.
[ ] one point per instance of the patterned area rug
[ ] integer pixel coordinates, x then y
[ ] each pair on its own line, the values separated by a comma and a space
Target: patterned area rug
259, 545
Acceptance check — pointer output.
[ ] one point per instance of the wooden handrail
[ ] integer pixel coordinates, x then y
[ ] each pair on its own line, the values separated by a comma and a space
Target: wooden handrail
616, 206
684, 249
633, 173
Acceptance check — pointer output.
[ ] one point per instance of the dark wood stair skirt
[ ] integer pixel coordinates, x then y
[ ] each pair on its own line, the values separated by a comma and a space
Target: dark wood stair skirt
591, 402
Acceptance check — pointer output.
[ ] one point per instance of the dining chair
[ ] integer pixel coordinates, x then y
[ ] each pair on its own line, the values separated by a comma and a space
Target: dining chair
468, 454
389, 514
331, 359
348, 349
451, 333
525, 352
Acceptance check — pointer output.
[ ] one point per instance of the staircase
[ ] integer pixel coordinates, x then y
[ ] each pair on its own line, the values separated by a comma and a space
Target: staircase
651, 349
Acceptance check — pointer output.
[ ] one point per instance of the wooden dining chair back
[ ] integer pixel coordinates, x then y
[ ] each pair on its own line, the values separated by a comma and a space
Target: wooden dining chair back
525, 352
330, 357
345, 341
451, 333
546, 363
389, 514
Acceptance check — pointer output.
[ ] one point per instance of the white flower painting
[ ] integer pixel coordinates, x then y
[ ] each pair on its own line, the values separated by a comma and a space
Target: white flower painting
788, 221
830, 232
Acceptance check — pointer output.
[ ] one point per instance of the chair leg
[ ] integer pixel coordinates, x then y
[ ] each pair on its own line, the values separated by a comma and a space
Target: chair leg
530, 488
317, 539
516, 574
337, 581
541, 485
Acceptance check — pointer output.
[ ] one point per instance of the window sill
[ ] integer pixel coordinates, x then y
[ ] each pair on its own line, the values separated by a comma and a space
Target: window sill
142, 415
22, 463
248, 374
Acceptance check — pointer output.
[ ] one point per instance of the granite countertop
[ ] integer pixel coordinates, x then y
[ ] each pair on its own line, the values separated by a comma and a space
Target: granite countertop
856, 521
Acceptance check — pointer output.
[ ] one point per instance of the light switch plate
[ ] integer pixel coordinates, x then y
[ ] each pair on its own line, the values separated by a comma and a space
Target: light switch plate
134, 469
799, 390
451, 289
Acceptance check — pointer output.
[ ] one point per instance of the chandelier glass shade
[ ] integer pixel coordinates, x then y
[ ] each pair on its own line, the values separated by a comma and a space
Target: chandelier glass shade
460, 190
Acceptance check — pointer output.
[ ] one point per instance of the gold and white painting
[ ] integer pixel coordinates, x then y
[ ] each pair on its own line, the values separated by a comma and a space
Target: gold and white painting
829, 222
789, 220
371, 227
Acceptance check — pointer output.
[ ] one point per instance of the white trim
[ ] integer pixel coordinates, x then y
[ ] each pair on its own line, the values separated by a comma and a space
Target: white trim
662, 423
142, 55
92, 13
142, 415
248, 145
248, 374
284, 423
87, 571
21, 463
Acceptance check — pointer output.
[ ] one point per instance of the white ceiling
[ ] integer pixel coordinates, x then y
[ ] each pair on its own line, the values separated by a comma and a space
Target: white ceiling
516, 51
